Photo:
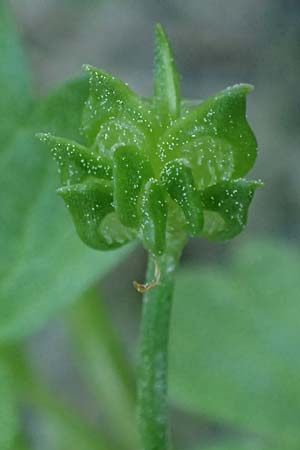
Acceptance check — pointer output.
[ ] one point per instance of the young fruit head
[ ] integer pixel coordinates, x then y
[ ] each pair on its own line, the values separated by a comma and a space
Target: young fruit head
149, 166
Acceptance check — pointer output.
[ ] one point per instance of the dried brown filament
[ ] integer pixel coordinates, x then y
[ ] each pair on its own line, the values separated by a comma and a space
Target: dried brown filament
140, 287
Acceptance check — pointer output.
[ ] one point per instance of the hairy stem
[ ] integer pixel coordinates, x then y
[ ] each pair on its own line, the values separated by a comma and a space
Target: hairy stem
152, 377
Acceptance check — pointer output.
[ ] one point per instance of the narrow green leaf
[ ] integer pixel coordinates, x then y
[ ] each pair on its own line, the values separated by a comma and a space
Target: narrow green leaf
60, 112
76, 162
166, 78
239, 444
110, 98
226, 208
178, 180
103, 365
215, 137
153, 217
131, 169
8, 409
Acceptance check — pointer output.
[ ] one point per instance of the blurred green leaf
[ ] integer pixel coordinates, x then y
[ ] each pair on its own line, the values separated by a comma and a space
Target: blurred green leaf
235, 341
235, 445
8, 409
43, 266
14, 77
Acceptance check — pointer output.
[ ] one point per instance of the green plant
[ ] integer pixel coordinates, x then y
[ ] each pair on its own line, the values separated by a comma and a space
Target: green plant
234, 334
160, 170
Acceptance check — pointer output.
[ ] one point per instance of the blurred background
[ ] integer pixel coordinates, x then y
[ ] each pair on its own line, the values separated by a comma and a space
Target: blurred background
216, 44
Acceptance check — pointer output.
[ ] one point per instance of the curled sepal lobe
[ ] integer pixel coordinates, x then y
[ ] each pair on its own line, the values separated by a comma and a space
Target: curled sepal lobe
76, 162
89, 203
217, 125
226, 208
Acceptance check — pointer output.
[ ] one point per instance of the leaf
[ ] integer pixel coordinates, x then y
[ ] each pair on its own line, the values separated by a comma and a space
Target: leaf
166, 78
237, 444
15, 84
226, 208
8, 409
131, 169
111, 99
179, 182
215, 137
154, 217
45, 266
235, 342
61, 111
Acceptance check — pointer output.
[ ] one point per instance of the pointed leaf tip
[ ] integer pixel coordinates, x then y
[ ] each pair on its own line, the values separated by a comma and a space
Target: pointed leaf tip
88, 67
43, 137
159, 30
166, 77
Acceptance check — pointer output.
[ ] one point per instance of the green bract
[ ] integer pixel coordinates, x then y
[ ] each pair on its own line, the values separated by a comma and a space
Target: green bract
148, 162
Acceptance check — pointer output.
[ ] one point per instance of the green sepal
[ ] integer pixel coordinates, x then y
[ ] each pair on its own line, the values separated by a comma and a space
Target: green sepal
178, 180
153, 217
89, 203
226, 208
166, 78
131, 170
218, 124
75, 161
110, 98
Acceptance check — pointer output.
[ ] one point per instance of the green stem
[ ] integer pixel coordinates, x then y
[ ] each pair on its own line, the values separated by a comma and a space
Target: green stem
152, 377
